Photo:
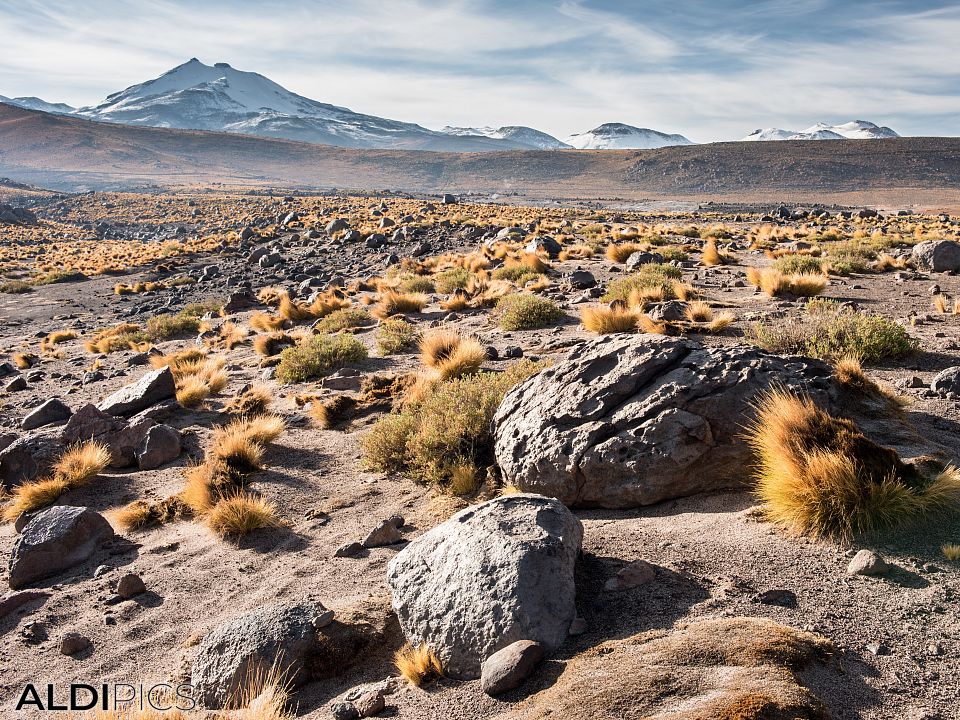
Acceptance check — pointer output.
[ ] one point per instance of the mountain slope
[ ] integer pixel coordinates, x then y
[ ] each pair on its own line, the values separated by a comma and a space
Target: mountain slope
853, 130
618, 136
35, 103
71, 153
524, 136
195, 96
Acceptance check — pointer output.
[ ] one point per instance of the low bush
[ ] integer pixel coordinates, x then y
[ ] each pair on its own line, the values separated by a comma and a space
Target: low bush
317, 355
527, 312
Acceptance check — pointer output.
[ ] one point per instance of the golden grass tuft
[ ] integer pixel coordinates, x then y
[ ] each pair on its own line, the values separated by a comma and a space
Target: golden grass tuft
818, 475
940, 303
255, 400
192, 391
75, 468
417, 664
265, 322
620, 252
710, 256
951, 551
272, 343
607, 320
450, 354
649, 325
132, 516
698, 311
241, 513
464, 479
56, 337
398, 303
721, 322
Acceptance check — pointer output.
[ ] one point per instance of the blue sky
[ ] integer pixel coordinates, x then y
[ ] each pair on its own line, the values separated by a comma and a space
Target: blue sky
710, 70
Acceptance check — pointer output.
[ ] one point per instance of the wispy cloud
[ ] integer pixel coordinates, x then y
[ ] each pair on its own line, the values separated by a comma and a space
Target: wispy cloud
711, 69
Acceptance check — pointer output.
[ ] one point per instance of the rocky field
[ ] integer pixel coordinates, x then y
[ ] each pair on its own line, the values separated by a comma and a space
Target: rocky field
352, 456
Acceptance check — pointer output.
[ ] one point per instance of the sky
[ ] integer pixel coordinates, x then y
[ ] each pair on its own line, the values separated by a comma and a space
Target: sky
710, 70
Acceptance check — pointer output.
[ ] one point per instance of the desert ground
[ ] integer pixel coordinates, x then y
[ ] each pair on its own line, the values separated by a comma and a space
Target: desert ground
325, 377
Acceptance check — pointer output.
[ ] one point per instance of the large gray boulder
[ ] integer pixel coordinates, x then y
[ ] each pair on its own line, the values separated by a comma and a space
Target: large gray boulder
630, 420
947, 381
123, 438
29, 457
489, 576
49, 412
54, 540
279, 638
150, 389
937, 255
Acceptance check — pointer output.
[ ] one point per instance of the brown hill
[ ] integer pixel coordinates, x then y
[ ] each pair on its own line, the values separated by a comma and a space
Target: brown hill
71, 153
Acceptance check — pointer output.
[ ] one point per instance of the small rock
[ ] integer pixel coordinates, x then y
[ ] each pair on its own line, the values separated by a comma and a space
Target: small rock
370, 703
130, 585
867, 562
344, 711
386, 533
507, 668
636, 573
72, 643
52, 411
348, 550
779, 596
34, 632
159, 446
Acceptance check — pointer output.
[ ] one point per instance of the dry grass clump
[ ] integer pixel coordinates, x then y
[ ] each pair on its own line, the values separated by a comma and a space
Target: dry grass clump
255, 400
711, 256
620, 252
451, 355
265, 322
140, 514
56, 337
820, 476
773, 282
831, 331
319, 354
272, 343
196, 375
527, 312
170, 325
396, 335
698, 311
398, 303
607, 320
577, 252
417, 664
291, 310
951, 551
125, 336
444, 426
75, 468
655, 281
241, 513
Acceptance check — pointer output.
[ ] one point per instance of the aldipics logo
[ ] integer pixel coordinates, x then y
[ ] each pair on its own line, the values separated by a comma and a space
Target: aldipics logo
161, 697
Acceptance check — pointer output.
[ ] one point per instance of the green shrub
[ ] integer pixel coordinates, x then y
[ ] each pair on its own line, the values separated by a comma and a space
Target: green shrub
832, 331
654, 275
452, 279
317, 355
187, 321
16, 287
527, 312
850, 257
518, 274
416, 284
344, 319
673, 254
394, 336
799, 264
448, 427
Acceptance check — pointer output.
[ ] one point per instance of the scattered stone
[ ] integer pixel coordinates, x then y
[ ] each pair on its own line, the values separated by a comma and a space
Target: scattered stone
937, 255
28, 457
386, 533
370, 703
130, 585
867, 562
18, 383
947, 381
13, 601
506, 669
122, 437
349, 549
72, 643
492, 574
55, 539
780, 596
160, 445
637, 573
150, 389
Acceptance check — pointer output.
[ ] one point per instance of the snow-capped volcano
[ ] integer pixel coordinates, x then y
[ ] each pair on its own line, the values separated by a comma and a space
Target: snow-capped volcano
35, 103
853, 130
218, 97
617, 136
524, 136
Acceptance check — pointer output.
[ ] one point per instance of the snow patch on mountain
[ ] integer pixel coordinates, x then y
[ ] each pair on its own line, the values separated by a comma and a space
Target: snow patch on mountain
618, 136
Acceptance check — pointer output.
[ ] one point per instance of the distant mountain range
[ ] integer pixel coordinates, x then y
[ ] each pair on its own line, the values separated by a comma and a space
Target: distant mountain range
854, 130
195, 96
